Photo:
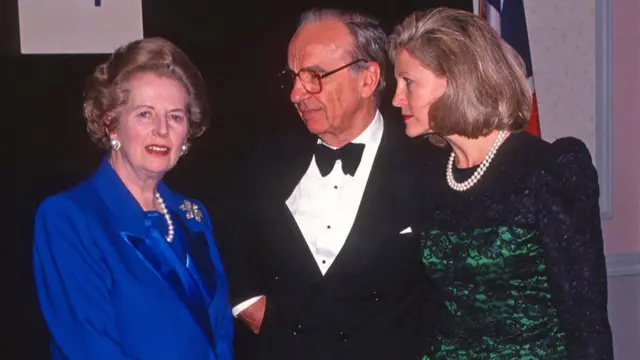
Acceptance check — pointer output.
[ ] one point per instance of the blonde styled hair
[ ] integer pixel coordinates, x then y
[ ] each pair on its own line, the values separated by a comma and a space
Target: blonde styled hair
487, 85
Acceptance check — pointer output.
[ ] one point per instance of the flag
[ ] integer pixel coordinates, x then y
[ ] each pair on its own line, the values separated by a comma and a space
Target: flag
507, 17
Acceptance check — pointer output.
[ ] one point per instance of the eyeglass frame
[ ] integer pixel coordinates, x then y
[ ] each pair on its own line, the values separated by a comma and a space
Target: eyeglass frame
317, 75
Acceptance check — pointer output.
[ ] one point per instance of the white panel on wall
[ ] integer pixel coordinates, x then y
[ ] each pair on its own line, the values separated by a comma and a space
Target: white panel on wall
562, 41
604, 105
78, 26
570, 44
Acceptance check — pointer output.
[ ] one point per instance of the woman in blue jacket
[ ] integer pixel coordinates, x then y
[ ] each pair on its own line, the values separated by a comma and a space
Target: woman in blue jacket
125, 268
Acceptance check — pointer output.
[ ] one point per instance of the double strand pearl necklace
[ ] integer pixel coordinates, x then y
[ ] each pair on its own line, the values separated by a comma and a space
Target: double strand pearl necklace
479, 171
167, 217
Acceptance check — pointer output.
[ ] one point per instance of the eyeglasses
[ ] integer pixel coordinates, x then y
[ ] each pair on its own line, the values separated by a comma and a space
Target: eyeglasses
311, 80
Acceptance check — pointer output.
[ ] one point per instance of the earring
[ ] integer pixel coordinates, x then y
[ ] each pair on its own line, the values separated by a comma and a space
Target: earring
184, 149
115, 144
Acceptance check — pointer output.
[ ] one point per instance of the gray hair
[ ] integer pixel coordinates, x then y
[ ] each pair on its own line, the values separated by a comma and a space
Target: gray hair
369, 40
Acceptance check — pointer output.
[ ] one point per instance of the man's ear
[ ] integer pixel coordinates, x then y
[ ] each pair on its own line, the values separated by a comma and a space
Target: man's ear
370, 79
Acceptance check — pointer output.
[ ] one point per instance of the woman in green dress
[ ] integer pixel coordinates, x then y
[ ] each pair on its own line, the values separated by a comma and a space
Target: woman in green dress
511, 229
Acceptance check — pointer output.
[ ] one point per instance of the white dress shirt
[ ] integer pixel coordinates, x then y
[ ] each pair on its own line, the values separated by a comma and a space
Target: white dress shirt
325, 207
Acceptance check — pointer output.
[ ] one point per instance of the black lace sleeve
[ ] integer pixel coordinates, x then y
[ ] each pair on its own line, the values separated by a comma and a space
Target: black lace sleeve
569, 219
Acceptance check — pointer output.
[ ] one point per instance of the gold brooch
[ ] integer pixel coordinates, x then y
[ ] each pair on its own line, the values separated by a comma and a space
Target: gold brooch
193, 210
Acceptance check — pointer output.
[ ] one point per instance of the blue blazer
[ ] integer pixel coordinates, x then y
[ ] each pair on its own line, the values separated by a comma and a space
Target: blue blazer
111, 287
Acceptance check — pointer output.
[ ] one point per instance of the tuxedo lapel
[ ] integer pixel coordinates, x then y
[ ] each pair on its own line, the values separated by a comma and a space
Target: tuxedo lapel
375, 193
380, 202
293, 159
298, 247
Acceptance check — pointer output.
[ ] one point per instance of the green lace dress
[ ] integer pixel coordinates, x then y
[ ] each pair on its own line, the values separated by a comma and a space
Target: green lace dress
517, 259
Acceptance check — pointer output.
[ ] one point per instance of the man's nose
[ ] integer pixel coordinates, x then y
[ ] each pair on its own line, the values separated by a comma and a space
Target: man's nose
298, 93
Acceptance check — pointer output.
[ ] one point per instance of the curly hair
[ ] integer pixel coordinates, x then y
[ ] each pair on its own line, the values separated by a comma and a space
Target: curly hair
487, 87
105, 91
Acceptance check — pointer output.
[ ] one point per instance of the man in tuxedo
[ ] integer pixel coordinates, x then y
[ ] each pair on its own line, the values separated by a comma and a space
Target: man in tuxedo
322, 263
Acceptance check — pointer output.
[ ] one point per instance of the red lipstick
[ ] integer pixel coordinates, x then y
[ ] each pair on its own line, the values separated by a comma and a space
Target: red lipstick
158, 150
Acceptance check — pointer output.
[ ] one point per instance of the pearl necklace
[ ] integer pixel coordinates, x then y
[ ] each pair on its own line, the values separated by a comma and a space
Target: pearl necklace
167, 217
502, 134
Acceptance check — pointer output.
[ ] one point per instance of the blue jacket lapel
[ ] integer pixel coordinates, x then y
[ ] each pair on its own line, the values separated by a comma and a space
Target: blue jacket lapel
157, 254
151, 247
199, 262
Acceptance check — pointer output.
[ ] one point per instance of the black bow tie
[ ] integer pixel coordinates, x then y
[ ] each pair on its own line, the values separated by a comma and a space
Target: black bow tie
350, 155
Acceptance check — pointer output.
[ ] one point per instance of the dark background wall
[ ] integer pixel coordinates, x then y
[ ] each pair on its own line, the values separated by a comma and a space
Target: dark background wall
239, 48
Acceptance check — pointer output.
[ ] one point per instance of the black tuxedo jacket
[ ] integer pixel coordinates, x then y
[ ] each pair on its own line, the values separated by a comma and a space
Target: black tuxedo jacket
374, 301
